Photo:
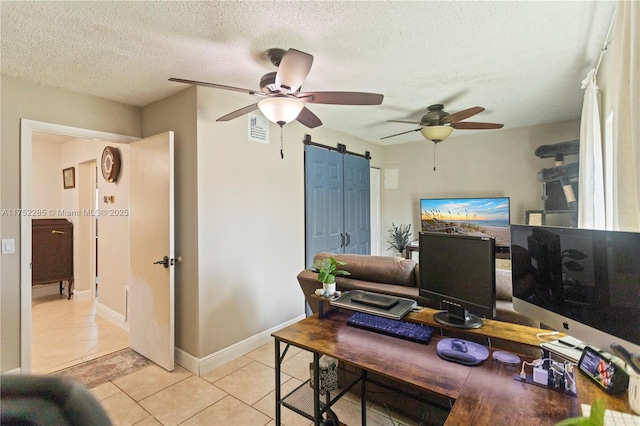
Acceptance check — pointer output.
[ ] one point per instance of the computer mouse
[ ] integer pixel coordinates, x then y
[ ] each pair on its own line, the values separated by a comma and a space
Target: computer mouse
458, 345
457, 356
462, 351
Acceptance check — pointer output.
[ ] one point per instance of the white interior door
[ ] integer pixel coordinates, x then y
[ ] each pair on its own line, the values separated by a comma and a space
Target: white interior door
151, 292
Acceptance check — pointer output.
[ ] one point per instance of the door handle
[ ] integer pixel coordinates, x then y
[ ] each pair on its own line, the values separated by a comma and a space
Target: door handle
348, 239
341, 240
166, 262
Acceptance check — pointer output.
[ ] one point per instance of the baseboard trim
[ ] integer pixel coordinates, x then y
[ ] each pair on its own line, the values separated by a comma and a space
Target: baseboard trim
201, 366
81, 295
13, 372
113, 316
54, 289
45, 290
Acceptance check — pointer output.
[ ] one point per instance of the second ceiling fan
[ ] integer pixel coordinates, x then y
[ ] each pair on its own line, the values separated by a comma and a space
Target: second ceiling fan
282, 101
437, 124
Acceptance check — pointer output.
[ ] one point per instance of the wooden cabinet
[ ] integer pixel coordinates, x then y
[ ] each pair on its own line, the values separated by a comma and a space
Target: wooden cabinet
52, 252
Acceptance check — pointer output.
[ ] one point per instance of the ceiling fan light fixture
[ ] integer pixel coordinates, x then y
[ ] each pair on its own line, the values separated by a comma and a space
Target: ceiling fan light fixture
280, 110
436, 133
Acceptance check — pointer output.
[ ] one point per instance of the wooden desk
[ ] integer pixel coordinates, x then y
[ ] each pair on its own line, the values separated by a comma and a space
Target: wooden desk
484, 395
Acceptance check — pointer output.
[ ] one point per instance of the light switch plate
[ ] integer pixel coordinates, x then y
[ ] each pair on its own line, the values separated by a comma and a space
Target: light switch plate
8, 246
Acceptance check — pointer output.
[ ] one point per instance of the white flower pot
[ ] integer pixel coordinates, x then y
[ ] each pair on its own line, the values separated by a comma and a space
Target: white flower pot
329, 289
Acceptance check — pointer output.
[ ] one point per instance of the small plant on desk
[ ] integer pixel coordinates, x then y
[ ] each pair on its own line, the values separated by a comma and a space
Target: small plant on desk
327, 272
596, 417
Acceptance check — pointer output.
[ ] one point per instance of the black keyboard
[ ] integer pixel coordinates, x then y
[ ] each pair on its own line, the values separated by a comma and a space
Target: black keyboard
405, 330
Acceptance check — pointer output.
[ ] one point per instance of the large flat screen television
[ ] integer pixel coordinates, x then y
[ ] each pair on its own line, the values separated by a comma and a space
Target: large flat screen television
487, 216
459, 271
583, 282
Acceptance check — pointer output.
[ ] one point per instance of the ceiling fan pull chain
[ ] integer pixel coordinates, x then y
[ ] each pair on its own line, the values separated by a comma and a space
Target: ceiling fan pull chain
434, 157
281, 145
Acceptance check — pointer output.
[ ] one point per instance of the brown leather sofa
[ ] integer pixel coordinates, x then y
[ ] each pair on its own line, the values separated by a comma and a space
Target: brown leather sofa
400, 277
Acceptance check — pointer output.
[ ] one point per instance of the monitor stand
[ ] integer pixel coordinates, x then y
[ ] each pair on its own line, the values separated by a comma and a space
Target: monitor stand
458, 317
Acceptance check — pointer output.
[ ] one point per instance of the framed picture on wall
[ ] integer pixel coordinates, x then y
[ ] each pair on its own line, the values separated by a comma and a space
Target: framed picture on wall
69, 177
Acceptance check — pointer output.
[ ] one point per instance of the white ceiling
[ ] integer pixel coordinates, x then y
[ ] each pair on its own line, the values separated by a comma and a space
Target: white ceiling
522, 61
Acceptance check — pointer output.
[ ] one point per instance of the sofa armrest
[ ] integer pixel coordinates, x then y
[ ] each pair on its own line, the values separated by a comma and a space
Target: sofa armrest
309, 283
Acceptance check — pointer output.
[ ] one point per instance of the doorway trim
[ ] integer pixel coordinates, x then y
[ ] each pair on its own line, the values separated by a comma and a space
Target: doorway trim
86, 184
375, 211
27, 127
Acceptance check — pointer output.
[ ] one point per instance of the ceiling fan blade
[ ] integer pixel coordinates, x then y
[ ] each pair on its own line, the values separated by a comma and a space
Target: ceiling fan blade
293, 69
398, 134
341, 98
404, 121
215, 86
465, 113
238, 113
468, 125
309, 119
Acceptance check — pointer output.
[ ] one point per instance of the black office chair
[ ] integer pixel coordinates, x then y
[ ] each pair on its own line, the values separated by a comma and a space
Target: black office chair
44, 400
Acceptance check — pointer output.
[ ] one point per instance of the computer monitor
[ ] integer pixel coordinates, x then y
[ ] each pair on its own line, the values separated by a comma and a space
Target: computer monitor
583, 282
460, 272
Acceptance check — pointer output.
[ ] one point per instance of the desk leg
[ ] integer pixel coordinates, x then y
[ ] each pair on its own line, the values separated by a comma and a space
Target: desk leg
363, 397
278, 395
316, 389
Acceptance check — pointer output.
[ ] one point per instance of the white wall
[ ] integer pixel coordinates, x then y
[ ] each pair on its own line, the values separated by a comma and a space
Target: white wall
491, 163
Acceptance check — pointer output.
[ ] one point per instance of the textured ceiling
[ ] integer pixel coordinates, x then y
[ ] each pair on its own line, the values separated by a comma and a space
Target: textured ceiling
522, 61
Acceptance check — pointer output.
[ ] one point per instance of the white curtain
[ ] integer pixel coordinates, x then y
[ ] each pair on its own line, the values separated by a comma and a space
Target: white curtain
626, 119
591, 212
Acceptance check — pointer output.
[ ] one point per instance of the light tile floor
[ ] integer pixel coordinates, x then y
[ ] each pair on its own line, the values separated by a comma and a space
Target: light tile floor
68, 332
240, 392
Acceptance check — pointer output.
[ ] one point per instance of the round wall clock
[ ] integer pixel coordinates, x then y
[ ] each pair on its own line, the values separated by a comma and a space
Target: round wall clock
110, 163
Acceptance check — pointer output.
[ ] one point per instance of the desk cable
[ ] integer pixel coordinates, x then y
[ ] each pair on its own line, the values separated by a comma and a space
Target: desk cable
540, 336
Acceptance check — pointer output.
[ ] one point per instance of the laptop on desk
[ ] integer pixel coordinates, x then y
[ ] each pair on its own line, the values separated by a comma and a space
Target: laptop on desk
374, 303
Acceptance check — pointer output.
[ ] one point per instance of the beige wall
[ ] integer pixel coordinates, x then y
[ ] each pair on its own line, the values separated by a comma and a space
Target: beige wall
491, 163
21, 99
113, 253
46, 176
179, 113
240, 208
251, 226
240, 218
261, 203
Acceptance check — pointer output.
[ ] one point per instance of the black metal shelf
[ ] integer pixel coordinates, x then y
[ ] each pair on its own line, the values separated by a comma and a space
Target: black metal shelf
300, 400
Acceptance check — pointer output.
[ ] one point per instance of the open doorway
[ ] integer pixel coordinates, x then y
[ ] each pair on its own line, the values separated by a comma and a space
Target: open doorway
87, 197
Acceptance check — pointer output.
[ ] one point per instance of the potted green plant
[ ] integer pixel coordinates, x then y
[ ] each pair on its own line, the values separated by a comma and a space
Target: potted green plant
399, 237
327, 272
596, 417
